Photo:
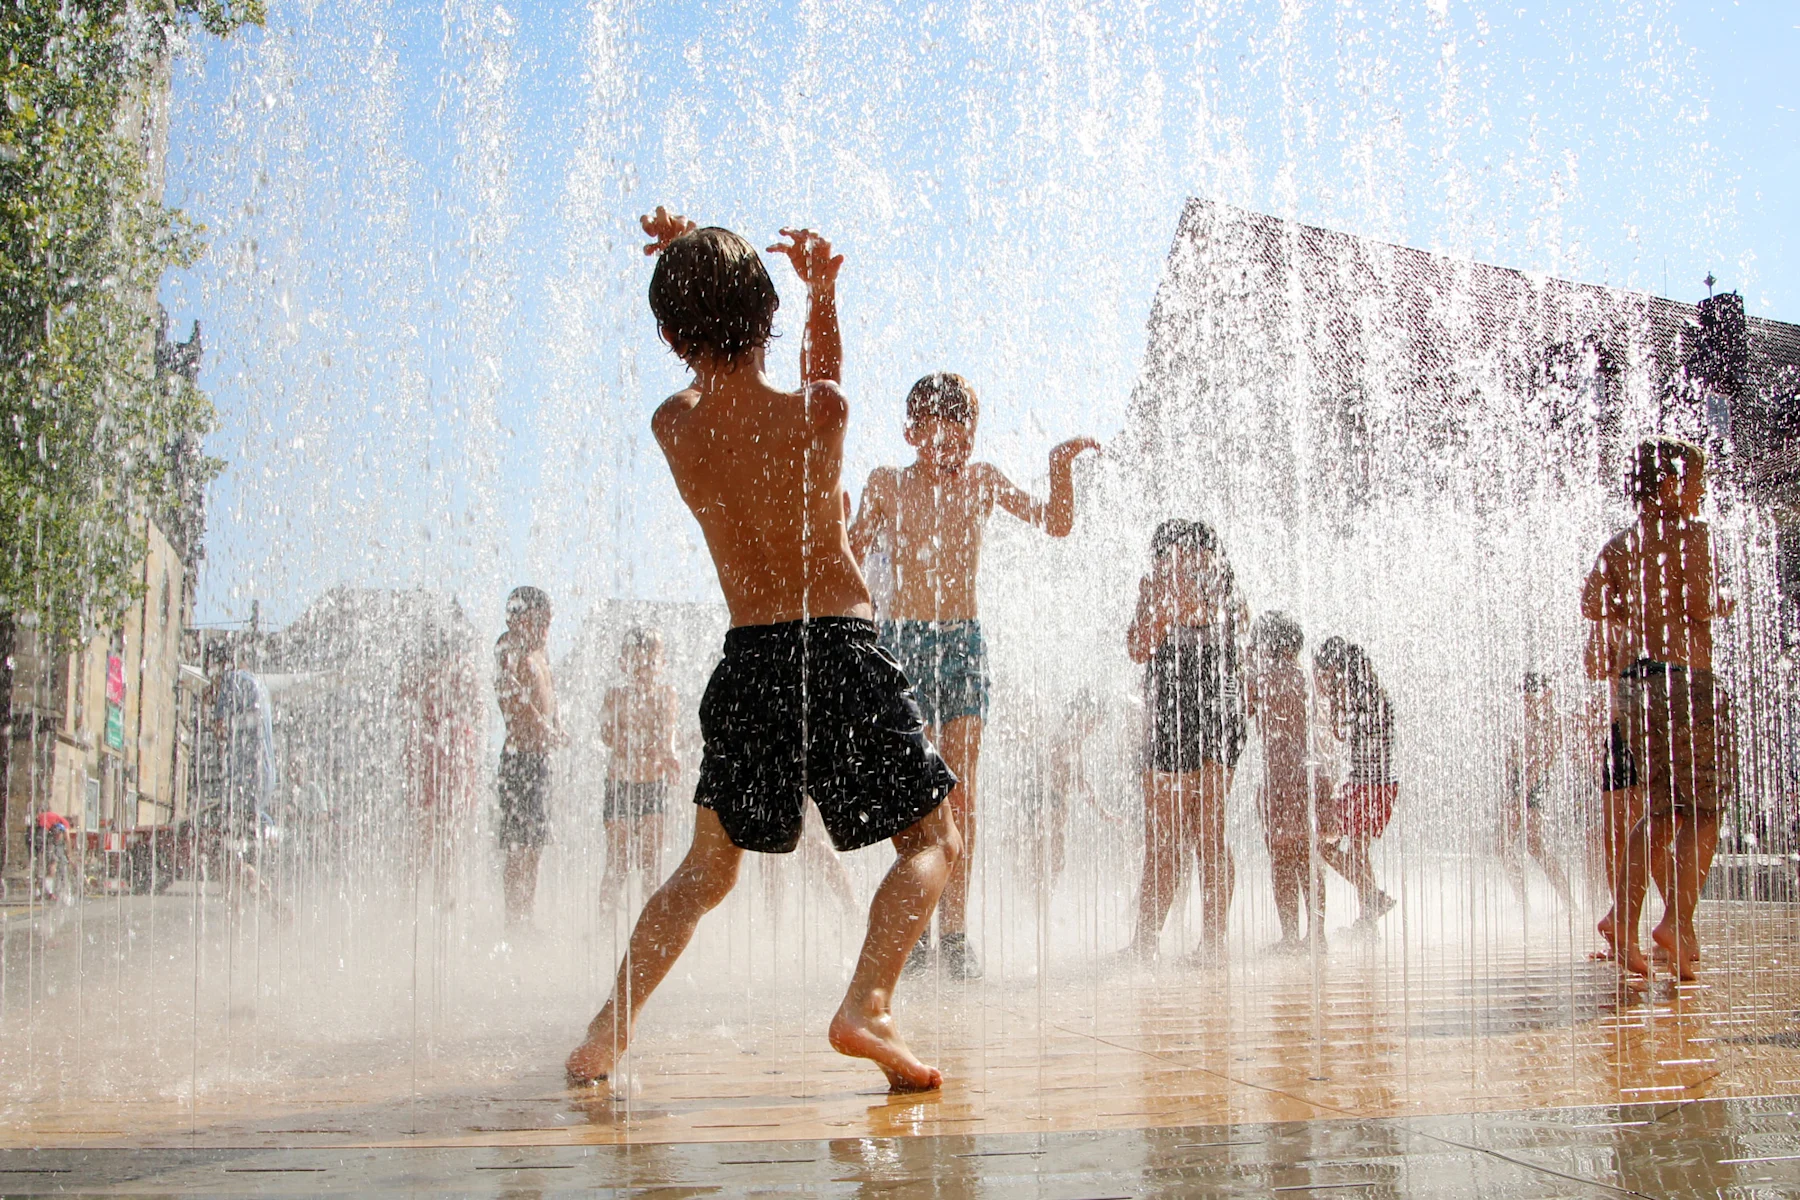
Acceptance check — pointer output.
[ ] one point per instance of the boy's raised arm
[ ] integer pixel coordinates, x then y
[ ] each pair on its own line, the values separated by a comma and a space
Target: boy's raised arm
822, 345
1057, 517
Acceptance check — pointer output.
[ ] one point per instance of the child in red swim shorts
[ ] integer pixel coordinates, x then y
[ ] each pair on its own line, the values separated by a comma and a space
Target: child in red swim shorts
1362, 715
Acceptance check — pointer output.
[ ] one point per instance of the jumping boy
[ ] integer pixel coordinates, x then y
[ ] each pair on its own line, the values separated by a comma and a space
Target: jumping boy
1276, 698
930, 518
533, 729
637, 724
1655, 592
804, 703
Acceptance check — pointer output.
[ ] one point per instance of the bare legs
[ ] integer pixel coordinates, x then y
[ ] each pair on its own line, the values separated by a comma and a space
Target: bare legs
864, 1024
1351, 860
959, 741
1624, 810
1290, 863
1676, 851
1524, 823
1666, 870
634, 845
519, 881
1553, 869
1184, 811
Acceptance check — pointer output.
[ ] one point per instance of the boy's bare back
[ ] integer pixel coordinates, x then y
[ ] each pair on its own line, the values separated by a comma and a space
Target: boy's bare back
759, 469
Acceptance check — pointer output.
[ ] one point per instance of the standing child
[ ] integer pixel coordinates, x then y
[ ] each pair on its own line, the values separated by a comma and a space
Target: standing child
1531, 762
528, 706
930, 517
637, 724
1275, 690
1363, 717
804, 703
1187, 632
1655, 592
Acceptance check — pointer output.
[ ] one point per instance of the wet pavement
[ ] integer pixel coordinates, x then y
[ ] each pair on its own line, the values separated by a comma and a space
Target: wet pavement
171, 1047
1736, 1148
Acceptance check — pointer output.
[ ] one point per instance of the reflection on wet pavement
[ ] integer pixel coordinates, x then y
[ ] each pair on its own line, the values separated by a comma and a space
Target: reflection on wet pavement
1384, 1068
1736, 1148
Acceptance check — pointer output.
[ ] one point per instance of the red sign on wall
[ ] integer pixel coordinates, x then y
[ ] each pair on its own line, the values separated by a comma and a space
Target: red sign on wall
115, 680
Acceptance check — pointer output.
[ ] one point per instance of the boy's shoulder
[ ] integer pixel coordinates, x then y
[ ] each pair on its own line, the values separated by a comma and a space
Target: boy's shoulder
671, 412
825, 399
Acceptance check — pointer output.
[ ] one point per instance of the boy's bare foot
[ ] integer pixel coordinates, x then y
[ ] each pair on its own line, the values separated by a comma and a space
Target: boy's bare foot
1675, 952
1690, 943
593, 1060
1611, 953
591, 1063
858, 1035
1633, 960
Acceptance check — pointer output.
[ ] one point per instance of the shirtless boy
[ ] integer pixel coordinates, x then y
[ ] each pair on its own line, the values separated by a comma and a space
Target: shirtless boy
528, 706
637, 724
804, 703
1276, 699
930, 517
1655, 592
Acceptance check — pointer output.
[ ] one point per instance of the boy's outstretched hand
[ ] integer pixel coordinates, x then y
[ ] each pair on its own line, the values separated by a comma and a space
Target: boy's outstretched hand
664, 226
1067, 452
811, 255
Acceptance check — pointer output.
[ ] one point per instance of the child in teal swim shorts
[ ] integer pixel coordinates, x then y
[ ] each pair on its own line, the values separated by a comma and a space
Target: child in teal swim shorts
929, 519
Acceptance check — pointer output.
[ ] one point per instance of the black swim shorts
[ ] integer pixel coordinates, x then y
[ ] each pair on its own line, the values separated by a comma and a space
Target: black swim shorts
626, 801
524, 799
814, 709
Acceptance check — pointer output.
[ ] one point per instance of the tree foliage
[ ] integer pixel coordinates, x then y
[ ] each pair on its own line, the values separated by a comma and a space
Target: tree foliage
92, 434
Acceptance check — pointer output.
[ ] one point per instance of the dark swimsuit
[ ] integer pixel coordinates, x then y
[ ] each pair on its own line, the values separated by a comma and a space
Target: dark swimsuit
1195, 700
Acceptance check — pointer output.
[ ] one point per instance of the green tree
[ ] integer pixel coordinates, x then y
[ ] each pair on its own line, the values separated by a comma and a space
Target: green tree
92, 434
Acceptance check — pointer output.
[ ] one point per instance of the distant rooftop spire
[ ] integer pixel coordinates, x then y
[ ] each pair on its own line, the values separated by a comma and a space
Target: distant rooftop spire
1709, 284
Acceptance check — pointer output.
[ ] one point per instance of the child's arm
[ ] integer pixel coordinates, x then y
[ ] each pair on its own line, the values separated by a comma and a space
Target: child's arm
1150, 624
876, 516
1719, 600
609, 717
821, 346
1057, 517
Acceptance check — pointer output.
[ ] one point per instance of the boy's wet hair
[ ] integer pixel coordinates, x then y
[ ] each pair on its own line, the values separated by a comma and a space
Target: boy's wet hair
1533, 682
944, 395
641, 640
711, 295
1279, 634
527, 599
1181, 533
1658, 458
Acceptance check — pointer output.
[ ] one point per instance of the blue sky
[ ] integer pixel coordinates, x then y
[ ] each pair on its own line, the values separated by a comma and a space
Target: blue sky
424, 299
